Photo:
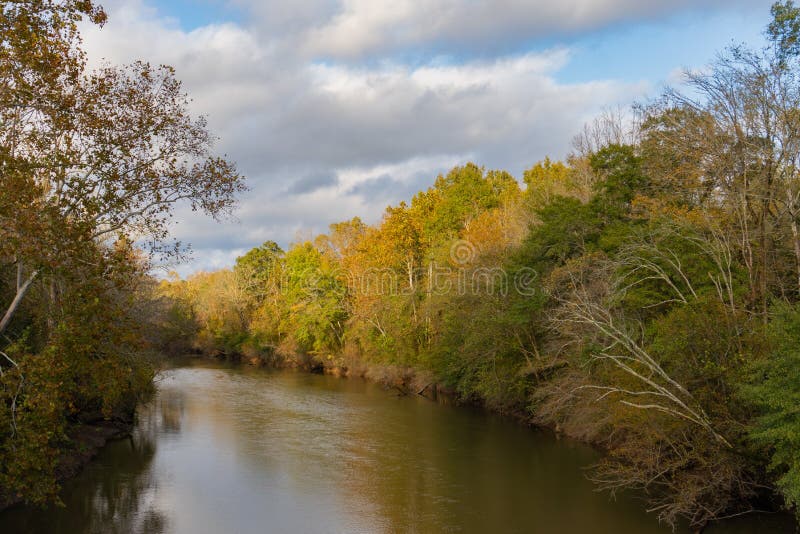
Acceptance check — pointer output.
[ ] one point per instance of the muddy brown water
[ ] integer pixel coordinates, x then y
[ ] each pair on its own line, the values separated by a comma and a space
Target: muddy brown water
231, 449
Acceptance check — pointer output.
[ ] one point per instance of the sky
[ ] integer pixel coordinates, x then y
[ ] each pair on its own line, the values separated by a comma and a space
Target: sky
337, 108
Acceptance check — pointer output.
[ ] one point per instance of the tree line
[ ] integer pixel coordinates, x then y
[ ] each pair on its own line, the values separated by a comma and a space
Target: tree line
91, 163
643, 294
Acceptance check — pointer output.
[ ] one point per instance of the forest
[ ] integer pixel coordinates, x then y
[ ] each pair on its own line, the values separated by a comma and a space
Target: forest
642, 295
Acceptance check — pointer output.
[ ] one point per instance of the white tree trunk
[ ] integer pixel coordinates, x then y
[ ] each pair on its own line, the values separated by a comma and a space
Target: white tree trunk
21, 290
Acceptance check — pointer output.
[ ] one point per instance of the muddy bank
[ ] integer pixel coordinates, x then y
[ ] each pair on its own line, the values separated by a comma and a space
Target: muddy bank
403, 380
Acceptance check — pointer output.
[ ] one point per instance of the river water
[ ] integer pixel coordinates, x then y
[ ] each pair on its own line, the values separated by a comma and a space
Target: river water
224, 449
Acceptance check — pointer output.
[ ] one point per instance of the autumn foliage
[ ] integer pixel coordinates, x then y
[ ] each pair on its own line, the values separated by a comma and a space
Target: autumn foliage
92, 164
641, 295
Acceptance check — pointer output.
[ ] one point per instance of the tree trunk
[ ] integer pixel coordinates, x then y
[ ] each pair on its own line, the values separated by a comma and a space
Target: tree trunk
764, 270
21, 290
796, 239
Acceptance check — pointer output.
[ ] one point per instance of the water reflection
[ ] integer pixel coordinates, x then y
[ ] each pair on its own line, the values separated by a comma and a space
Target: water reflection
226, 449
115, 494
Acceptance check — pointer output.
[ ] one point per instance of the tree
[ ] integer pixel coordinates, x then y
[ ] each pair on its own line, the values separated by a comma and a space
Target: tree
259, 269
315, 300
734, 143
784, 30
547, 180
90, 163
458, 196
774, 389
102, 154
401, 242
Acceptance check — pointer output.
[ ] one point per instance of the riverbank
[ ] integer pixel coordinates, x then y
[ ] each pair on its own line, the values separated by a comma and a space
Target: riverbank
410, 382
404, 380
85, 442
227, 447
232, 448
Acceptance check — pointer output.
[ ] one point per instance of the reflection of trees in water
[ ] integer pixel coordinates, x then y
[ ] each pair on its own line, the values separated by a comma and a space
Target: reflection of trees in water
120, 497
117, 493
124, 499
168, 408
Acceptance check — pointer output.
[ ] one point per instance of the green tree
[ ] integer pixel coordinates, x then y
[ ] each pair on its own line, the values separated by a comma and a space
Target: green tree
314, 296
260, 269
775, 390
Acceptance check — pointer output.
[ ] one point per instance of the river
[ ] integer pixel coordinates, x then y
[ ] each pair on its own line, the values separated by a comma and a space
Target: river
233, 449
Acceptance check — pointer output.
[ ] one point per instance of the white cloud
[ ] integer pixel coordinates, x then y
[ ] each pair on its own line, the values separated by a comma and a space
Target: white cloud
325, 141
364, 27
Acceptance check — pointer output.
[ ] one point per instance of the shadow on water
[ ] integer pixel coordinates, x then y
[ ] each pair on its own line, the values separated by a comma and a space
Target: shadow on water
232, 449
116, 492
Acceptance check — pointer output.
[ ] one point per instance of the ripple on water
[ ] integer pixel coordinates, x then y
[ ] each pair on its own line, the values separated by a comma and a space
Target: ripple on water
235, 449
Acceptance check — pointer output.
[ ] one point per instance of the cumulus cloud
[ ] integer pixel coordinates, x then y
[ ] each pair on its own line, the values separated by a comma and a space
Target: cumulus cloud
322, 140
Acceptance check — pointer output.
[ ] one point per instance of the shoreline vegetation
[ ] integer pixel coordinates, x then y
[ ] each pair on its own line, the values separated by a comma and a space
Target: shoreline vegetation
84, 443
642, 295
92, 164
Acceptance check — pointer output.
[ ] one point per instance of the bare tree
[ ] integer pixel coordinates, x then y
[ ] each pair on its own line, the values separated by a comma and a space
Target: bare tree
587, 310
735, 138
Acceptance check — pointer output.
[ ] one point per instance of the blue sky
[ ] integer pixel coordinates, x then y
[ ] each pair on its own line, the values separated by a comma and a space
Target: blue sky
335, 108
193, 14
630, 50
653, 50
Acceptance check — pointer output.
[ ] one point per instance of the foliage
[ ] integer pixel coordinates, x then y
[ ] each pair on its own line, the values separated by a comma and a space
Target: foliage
621, 298
775, 391
641, 295
90, 162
